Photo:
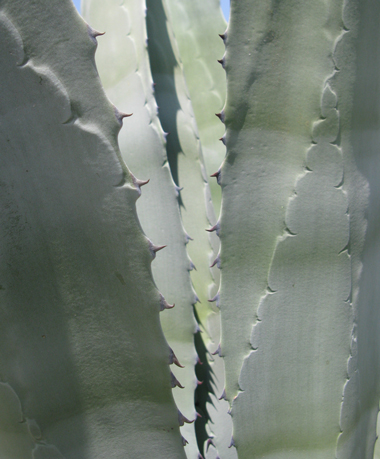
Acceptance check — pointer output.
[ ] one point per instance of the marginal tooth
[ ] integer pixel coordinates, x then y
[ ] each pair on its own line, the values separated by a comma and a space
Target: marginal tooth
155, 248
94, 33
173, 359
232, 442
192, 266
184, 441
188, 238
215, 299
214, 228
182, 419
223, 139
220, 116
221, 62
199, 361
217, 176
175, 382
198, 415
165, 305
141, 183
197, 329
196, 299
121, 115
199, 383
178, 189
138, 183
222, 36
218, 351
216, 262
223, 396
210, 442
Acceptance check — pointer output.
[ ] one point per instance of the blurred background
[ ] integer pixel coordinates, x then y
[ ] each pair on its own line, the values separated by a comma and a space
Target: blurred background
225, 4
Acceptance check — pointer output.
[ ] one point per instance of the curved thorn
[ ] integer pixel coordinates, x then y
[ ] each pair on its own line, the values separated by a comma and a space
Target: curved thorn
215, 298
216, 262
216, 228
184, 441
210, 442
164, 304
141, 183
173, 359
125, 115
175, 382
97, 33
223, 396
182, 419
218, 351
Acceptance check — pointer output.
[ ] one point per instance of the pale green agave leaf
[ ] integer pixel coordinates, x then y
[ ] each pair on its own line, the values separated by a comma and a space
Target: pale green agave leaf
197, 25
84, 363
183, 149
187, 166
299, 256
123, 64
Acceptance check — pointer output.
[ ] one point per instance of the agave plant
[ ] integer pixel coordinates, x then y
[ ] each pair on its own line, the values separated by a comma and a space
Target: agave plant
274, 350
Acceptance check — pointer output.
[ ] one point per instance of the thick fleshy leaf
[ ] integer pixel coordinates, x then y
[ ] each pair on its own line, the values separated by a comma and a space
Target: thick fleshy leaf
185, 156
197, 25
298, 253
123, 65
84, 363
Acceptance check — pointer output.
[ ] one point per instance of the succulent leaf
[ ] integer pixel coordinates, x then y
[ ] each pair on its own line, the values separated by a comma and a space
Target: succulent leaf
128, 83
197, 25
81, 340
299, 183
